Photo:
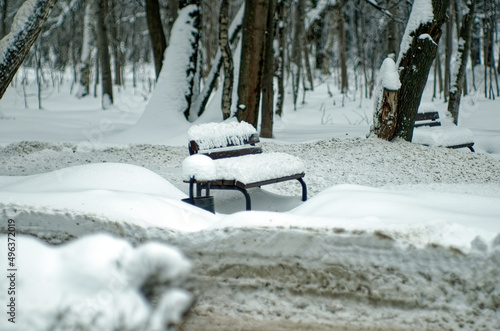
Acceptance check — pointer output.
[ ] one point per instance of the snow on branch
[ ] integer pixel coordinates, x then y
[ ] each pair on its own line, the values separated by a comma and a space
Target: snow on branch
384, 11
57, 21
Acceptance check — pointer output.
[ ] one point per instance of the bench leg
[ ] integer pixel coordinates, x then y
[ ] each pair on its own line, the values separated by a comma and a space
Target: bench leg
304, 189
247, 197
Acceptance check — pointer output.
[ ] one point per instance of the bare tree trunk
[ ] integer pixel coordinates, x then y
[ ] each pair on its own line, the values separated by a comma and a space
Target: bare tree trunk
156, 34
199, 104
115, 43
3, 18
447, 58
440, 71
227, 59
252, 57
298, 32
25, 30
104, 58
281, 32
461, 63
84, 67
267, 80
307, 62
343, 48
392, 32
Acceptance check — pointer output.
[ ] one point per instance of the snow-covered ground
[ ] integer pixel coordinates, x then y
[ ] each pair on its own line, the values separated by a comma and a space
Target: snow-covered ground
393, 236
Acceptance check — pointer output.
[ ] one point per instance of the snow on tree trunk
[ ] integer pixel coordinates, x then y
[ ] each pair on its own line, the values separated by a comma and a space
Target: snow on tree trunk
385, 115
458, 75
252, 58
417, 51
172, 95
104, 57
227, 59
25, 29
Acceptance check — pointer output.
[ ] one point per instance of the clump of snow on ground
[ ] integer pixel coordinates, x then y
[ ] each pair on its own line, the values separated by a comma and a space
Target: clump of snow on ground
98, 283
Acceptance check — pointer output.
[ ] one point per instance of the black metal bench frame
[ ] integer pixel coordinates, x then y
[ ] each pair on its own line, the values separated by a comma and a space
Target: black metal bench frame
432, 119
248, 147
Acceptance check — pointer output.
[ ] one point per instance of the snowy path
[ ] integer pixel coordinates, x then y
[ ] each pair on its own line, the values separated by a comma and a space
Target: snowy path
304, 269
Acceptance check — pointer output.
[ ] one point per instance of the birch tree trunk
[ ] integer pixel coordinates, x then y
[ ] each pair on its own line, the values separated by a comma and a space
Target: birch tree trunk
104, 58
457, 82
84, 67
281, 32
25, 29
198, 106
252, 58
227, 59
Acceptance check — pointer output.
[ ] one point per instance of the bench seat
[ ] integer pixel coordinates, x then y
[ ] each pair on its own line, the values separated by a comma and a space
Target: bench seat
428, 131
451, 136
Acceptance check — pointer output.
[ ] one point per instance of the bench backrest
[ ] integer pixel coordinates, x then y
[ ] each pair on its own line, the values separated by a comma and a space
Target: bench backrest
427, 119
221, 140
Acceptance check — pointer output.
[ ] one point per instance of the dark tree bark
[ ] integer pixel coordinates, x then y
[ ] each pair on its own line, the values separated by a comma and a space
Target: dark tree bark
24, 32
267, 84
343, 47
447, 58
296, 57
116, 41
252, 59
156, 34
104, 58
3, 18
414, 64
227, 59
462, 56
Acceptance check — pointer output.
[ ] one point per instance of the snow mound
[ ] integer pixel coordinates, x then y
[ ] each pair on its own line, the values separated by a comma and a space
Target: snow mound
122, 199
98, 176
416, 217
96, 283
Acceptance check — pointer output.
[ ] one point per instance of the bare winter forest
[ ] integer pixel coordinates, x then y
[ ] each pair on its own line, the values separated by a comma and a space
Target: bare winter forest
249, 44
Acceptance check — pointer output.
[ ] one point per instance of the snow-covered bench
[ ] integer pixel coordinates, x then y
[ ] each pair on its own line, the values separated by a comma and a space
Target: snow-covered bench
224, 156
428, 131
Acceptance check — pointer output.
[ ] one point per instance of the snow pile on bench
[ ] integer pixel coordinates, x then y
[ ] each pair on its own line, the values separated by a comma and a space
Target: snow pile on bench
245, 169
199, 166
258, 167
442, 136
214, 135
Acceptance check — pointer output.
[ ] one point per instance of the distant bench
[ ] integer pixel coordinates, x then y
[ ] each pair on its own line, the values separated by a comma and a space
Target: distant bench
429, 132
237, 162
